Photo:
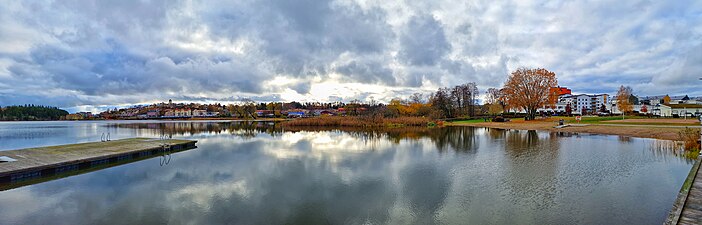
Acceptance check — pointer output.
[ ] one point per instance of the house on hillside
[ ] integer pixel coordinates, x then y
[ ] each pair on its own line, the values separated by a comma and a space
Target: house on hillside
169, 113
265, 113
296, 114
154, 113
183, 113
199, 113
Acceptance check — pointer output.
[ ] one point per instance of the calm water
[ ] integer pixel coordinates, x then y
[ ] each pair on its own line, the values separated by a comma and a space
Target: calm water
259, 173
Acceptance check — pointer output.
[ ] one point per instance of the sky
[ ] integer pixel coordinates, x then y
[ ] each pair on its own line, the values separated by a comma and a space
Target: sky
90, 55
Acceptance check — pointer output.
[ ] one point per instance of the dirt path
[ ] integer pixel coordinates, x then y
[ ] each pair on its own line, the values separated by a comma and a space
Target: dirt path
657, 132
657, 121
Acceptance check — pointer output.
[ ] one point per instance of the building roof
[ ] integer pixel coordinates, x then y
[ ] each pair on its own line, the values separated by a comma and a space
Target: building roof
653, 97
679, 97
689, 106
561, 90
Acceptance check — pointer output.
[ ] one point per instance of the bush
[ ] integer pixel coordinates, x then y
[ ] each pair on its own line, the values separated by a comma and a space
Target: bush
500, 119
359, 121
690, 138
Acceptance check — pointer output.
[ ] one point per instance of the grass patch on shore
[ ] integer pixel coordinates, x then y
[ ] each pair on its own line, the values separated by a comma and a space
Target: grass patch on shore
468, 121
359, 121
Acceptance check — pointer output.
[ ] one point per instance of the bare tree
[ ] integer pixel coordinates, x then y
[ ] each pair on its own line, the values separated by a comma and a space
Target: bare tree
417, 98
471, 93
441, 101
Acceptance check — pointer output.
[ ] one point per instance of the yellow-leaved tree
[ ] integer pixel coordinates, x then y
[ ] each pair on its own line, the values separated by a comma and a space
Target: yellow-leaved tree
624, 103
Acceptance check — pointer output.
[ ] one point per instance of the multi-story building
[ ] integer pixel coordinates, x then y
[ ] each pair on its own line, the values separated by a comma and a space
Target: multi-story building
153, 113
183, 113
199, 113
586, 104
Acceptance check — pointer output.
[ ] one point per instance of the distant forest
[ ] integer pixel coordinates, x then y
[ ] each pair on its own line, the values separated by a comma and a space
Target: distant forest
31, 112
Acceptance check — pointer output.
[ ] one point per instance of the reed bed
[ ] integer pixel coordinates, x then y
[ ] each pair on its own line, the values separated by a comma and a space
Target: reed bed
690, 138
359, 121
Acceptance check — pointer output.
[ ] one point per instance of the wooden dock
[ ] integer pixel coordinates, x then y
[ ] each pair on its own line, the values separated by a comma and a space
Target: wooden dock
25, 164
687, 208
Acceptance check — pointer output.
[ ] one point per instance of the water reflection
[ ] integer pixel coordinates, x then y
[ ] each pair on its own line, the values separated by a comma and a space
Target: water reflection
260, 173
246, 129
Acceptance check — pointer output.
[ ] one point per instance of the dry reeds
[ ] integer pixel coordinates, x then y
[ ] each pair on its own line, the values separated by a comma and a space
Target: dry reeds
690, 138
358, 121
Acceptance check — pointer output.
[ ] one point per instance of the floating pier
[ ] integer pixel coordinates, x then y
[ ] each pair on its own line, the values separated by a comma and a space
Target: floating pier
27, 164
687, 208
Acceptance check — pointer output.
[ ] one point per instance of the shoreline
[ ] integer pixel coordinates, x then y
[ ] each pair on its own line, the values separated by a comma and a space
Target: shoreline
663, 132
639, 131
162, 119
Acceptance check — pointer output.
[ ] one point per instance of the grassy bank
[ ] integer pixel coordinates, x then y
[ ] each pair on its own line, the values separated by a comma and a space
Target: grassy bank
663, 128
358, 121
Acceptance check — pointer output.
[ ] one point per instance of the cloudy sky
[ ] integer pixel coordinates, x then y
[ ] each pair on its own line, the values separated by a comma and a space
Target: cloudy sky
87, 55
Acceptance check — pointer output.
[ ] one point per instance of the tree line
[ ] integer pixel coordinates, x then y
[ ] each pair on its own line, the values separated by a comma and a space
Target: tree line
31, 112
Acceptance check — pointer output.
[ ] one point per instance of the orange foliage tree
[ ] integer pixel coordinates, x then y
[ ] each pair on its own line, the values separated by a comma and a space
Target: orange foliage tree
624, 103
529, 89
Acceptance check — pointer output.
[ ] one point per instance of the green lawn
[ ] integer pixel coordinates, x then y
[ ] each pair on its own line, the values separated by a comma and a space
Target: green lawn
584, 120
466, 121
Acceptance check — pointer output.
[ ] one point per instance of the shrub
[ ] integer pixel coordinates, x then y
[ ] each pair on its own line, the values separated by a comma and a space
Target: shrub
358, 121
689, 137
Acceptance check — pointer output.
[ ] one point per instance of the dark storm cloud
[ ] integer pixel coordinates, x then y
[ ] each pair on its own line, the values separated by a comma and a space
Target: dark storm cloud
423, 42
370, 72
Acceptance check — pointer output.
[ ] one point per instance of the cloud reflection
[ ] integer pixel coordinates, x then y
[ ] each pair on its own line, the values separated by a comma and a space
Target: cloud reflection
358, 177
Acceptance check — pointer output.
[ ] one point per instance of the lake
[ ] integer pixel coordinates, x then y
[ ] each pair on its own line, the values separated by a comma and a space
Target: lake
262, 173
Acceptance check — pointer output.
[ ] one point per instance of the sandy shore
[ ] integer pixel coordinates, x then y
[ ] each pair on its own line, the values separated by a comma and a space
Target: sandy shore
643, 131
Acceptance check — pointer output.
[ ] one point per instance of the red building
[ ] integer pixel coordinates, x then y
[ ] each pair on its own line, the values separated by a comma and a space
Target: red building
561, 90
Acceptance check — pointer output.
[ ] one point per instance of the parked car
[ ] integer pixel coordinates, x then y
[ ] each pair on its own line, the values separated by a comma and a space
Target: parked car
500, 119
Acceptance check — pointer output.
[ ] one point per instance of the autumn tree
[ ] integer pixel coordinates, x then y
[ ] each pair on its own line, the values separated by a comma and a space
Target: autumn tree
493, 99
353, 108
666, 100
494, 109
248, 108
624, 103
233, 110
529, 89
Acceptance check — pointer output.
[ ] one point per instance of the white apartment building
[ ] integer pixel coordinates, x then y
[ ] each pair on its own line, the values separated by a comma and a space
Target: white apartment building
592, 104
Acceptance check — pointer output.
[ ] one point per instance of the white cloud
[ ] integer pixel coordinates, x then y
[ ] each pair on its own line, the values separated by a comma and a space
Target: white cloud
73, 54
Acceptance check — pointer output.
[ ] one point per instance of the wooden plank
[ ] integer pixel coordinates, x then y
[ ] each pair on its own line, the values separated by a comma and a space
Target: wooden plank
691, 212
687, 192
42, 158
